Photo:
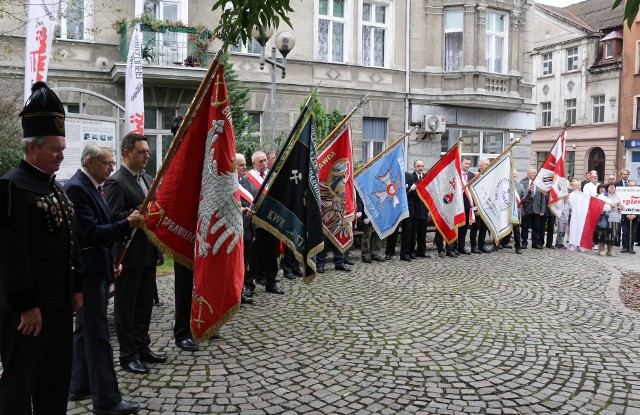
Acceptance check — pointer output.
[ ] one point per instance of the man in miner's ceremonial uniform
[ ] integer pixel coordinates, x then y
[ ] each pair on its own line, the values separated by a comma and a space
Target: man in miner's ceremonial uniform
40, 282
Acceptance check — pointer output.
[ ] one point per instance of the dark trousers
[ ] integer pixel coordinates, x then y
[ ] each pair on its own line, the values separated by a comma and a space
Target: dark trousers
438, 239
462, 232
629, 236
547, 223
418, 236
132, 310
482, 231
248, 278
264, 258
321, 258
405, 239
92, 354
36, 369
530, 222
183, 285
473, 235
289, 264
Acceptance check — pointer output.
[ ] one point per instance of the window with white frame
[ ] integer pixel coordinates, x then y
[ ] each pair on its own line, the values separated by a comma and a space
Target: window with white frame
570, 105
545, 112
169, 47
547, 63
331, 30
496, 42
157, 129
76, 20
598, 109
608, 50
375, 27
572, 59
374, 137
636, 111
253, 47
453, 40
477, 144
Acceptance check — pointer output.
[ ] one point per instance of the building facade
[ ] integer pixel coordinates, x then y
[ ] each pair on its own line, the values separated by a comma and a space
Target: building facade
451, 68
629, 155
577, 62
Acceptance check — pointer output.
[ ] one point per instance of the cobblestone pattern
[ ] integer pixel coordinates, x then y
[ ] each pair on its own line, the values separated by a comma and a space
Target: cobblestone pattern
481, 334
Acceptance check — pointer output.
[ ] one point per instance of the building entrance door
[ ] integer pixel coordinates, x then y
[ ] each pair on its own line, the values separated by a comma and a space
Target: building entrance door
597, 161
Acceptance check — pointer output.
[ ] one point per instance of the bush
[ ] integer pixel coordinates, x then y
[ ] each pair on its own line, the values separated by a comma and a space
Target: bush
10, 133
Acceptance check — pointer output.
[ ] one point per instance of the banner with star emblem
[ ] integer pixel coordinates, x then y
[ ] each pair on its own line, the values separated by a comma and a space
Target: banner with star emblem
290, 208
492, 191
441, 191
196, 217
335, 172
381, 187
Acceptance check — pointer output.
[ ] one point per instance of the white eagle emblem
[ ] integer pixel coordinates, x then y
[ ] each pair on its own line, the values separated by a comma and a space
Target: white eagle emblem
217, 201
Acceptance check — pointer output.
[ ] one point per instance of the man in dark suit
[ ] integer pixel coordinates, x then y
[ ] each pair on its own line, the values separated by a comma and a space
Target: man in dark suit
92, 374
532, 212
479, 225
624, 178
465, 165
418, 213
266, 248
405, 237
248, 228
40, 278
125, 191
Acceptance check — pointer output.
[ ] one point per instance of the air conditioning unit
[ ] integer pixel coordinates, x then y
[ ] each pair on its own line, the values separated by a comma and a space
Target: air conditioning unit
434, 124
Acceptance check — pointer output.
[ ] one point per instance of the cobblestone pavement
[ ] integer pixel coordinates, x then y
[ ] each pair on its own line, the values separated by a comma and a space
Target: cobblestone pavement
487, 334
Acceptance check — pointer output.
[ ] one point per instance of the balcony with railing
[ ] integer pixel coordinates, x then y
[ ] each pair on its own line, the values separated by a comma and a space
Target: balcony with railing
169, 46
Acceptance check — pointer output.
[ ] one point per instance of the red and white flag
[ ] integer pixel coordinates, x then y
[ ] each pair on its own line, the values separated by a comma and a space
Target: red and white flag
196, 214
41, 22
337, 195
585, 212
552, 178
441, 190
134, 90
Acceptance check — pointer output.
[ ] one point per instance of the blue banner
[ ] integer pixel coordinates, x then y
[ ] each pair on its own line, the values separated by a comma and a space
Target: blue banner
382, 189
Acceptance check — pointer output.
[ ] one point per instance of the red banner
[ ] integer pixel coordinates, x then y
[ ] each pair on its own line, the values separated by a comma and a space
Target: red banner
335, 172
196, 215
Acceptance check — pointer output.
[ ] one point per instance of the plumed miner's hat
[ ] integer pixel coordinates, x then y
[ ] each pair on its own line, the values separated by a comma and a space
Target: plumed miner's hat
43, 114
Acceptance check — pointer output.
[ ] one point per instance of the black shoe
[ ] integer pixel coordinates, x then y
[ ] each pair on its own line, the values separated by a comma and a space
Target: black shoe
464, 251
441, 254
507, 246
412, 256
631, 251
320, 269
79, 396
486, 250
366, 260
388, 257
561, 246
624, 250
551, 247
248, 292
216, 336
451, 254
135, 366
245, 300
537, 246
121, 408
343, 268
518, 251
297, 272
422, 255
405, 258
187, 345
158, 303
376, 258
289, 276
260, 281
476, 250
150, 357
523, 247
273, 289
349, 261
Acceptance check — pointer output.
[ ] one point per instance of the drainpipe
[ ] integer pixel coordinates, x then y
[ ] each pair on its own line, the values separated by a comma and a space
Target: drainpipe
407, 79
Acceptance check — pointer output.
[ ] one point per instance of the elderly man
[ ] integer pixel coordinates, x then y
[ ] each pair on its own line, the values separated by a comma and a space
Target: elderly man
40, 279
591, 188
125, 191
93, 374
532, 206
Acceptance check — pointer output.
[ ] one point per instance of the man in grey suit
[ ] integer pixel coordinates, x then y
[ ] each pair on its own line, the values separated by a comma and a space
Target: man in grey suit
532, 211
125, 191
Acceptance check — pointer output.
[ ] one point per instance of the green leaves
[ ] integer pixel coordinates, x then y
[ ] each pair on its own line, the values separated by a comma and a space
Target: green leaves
630, 10
241, 16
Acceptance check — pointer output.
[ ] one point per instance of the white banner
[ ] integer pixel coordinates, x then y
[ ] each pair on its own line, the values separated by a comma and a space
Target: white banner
134, 90
41, 22
630, 197
492, 193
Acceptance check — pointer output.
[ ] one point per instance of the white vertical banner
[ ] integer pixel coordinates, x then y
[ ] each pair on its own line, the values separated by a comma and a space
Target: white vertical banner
41, 23
134, 90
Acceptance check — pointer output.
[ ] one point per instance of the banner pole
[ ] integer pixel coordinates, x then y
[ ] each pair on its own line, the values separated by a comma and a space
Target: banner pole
361, 102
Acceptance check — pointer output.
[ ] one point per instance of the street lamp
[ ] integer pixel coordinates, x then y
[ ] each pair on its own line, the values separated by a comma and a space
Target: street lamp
284, 43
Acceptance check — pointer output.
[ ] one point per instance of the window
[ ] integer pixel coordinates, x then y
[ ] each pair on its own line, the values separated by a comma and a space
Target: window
169, 47
545, 110
374, 34
253, 47
608, 50
476, 144
496, 47
598, 109
157, 129
572, 59
255, 123
570, 163
570, 105
331, 30
75, 21
637, 113
374, 137
453, 40
73, 108
638, 55
541, 156
547, 63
